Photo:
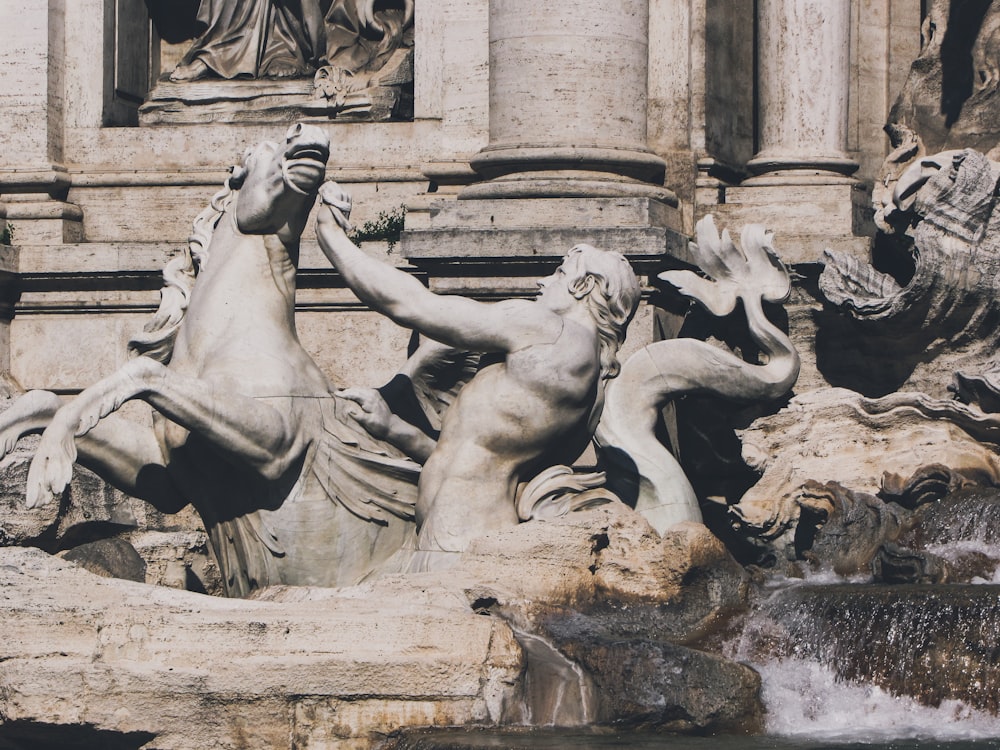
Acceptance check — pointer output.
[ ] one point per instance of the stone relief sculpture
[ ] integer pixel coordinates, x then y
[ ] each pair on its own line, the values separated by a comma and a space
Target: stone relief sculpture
290, 487
536, 399
640, 468
359, 54
257, 39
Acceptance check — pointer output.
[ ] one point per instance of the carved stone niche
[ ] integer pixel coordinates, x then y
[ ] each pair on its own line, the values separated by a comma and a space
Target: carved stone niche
260, 61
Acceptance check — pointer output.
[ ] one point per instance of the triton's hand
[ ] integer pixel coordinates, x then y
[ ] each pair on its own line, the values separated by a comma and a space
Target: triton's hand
374, 413
339, 202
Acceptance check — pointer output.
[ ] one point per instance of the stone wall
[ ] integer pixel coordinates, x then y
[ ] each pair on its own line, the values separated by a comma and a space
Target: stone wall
97, 203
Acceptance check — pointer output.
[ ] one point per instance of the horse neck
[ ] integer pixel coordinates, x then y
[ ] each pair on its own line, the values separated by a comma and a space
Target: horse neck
234, 250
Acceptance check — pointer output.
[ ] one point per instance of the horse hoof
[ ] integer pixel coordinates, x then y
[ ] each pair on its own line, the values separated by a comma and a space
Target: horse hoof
51, 469
25, 414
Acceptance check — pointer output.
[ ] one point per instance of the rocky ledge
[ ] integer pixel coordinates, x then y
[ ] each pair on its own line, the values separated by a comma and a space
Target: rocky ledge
595, 602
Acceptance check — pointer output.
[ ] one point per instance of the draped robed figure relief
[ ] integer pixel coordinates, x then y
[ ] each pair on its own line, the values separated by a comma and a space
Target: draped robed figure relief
293, 38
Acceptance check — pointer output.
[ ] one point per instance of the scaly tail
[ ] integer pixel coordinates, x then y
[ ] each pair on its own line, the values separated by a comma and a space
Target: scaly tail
639, 466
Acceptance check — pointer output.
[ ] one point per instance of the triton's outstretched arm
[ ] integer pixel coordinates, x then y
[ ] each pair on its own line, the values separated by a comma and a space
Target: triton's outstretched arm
453, 320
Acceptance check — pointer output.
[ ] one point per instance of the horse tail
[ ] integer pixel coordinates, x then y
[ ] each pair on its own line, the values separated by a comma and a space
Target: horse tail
641, 469
157, 337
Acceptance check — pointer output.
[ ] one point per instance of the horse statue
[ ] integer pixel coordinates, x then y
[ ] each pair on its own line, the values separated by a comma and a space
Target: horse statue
246, 427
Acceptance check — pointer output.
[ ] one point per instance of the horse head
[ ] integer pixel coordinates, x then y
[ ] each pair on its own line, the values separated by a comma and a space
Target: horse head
277, 183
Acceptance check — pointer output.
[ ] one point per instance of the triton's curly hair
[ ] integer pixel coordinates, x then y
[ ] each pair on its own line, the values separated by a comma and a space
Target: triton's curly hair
612, 296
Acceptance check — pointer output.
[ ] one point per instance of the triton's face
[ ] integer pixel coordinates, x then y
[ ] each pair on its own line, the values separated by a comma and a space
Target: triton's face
554, 289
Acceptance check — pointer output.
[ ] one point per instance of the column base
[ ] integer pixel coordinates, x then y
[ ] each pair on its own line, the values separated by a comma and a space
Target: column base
529, 235
39, 220
566, 185
807, 213
516, 171
803, 170
507, 159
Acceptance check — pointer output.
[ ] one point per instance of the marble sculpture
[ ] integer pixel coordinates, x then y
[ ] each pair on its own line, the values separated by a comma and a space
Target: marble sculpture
300, 484
534, 403
641, 469
246, 428
359, 53
254, 39
267, 39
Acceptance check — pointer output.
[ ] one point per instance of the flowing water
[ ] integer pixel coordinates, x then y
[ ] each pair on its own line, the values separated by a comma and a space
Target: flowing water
576, 740
557, 691
845, 665
874, 663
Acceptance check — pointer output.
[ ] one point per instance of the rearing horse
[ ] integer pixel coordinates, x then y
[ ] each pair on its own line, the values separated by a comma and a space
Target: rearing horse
290, 489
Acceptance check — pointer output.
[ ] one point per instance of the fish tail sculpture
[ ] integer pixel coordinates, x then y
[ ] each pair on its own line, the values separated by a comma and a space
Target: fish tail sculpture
640, 467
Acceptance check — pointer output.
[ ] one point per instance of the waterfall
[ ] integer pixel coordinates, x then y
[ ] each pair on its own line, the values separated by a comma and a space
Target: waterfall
868, 662
557, 692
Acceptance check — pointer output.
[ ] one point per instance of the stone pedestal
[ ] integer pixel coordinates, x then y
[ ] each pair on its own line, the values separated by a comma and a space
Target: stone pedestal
526, 237
492, 249
40, 218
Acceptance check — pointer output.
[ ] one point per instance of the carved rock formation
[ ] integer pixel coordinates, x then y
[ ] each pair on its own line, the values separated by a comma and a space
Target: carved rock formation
136, 664
797, 459
950, 97
941, 319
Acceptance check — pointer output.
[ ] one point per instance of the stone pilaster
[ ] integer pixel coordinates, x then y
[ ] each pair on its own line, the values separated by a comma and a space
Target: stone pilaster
33, 182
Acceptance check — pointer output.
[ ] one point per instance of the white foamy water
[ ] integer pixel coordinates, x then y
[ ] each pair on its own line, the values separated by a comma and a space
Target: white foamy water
805, 700
953, 552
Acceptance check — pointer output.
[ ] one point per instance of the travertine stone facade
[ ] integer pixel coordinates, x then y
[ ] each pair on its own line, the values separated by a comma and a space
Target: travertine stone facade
660, 95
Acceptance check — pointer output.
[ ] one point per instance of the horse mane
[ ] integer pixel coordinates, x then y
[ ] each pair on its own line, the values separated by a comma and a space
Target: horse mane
157, 337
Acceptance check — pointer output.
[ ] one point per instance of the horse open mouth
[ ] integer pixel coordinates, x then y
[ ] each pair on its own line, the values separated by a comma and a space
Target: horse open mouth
304, 166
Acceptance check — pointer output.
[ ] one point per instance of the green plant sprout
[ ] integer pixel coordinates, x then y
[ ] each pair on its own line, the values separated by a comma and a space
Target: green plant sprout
387, 226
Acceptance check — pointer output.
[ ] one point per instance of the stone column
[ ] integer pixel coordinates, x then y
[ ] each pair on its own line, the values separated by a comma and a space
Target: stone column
568, 102
566, 161
803, 60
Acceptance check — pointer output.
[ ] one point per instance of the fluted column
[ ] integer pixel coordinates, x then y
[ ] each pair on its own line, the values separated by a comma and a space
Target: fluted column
568, 102
803, 60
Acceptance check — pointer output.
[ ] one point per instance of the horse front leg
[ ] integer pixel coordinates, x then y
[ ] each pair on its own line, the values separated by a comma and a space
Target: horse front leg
29, 414
251, 431
121, 452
